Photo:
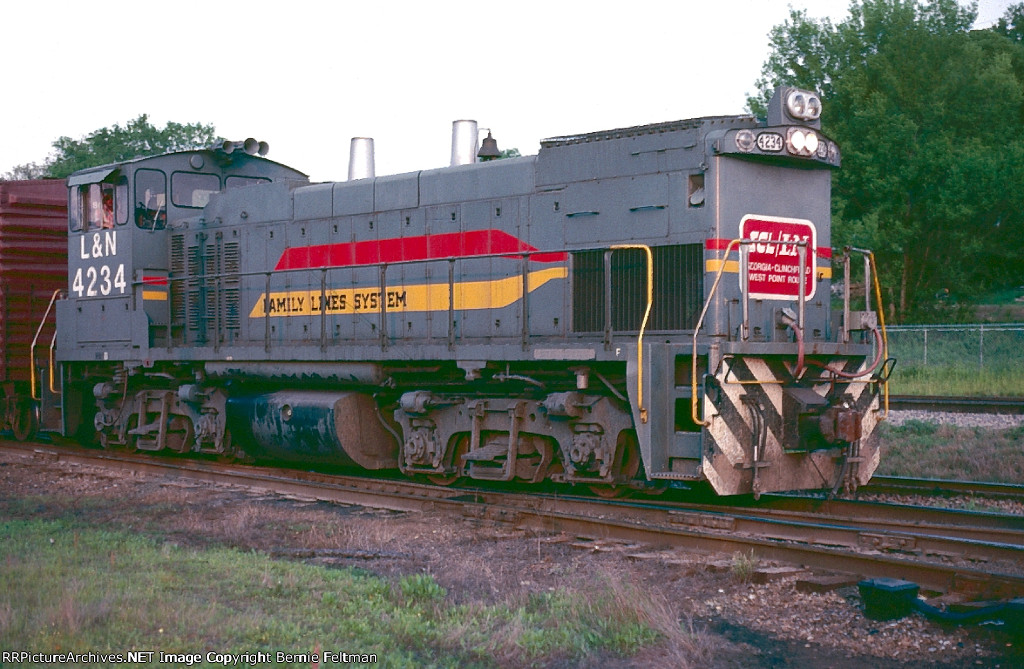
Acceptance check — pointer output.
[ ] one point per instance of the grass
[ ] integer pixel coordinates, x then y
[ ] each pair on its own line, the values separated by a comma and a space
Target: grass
743, 565
958, 360
66, 587
958, 380
928, 450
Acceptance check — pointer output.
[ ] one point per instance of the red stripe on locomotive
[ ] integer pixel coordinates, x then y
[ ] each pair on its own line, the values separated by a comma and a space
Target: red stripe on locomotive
424, 247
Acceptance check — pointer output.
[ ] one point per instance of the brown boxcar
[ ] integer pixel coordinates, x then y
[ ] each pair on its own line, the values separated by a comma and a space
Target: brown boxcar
33, 264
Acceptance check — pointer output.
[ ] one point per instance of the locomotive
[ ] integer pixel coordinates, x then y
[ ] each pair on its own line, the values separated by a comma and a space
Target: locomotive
626, 309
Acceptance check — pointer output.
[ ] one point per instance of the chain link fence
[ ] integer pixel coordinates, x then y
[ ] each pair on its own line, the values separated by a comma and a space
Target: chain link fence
980, 346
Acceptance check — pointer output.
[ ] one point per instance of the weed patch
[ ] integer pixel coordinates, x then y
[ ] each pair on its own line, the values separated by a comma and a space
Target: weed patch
82, 589
929, 450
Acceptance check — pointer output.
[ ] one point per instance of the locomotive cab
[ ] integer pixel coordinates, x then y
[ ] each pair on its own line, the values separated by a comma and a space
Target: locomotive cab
118, 294
117, 244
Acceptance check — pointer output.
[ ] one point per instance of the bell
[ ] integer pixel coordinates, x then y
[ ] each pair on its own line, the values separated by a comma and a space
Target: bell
488, 149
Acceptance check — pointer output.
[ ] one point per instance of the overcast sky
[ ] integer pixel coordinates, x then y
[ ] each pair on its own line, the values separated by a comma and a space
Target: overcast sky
306, 77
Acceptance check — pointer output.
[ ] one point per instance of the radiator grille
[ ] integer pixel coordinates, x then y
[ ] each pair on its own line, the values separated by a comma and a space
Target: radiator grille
678, 288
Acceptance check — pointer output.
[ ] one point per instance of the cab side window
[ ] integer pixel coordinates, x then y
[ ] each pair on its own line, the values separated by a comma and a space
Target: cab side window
150, 199
99, 205
193, 190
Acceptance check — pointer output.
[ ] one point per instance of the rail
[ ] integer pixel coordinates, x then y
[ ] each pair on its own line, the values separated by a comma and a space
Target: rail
958, 404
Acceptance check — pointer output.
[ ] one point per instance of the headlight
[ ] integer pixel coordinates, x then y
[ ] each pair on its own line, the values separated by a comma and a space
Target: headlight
811, 142
801, 142
803, 105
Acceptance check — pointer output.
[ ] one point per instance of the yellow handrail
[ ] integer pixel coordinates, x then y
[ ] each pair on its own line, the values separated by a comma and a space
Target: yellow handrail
32, 349
643, 325
885, 338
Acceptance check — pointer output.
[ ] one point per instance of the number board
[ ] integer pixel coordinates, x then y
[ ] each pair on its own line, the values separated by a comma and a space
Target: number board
103, 275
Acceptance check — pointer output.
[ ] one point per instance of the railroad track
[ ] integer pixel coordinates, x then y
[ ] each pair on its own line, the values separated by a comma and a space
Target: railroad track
954, 404
942, 550
901, 485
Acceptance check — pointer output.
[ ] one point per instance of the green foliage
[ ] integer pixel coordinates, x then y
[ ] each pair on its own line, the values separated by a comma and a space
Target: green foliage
743, 565
71, 587
1012, 23
421, 589
25, 171
927, 450
929, 117
137, 138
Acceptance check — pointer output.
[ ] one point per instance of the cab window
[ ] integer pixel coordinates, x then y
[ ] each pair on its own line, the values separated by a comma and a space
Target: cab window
193, 190
99, 205
150, 199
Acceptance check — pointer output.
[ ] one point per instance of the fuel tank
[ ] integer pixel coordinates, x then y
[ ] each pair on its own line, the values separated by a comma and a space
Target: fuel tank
304, 426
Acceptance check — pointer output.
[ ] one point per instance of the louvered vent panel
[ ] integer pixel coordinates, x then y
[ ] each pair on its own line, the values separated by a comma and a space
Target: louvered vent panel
195, 292
211, 272
177, 287
231, 259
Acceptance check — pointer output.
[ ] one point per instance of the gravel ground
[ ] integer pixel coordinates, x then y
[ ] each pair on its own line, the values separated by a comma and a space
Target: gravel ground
737, 620
986, 420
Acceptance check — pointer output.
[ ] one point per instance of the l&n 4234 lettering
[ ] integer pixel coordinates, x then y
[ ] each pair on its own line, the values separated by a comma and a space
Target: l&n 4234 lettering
99, 279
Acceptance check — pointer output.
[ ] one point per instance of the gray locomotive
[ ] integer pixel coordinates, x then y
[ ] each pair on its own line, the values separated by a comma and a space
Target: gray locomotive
624, 309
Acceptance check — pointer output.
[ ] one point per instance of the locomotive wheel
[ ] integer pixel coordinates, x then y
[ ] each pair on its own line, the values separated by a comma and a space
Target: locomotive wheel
625, 467
460, 448
25, 423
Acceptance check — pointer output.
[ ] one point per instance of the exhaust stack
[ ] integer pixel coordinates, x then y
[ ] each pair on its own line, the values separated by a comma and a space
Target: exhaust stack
360, 159
464, 142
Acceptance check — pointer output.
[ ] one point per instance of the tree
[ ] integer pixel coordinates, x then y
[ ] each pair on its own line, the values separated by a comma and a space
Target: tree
929, 118
1011, 24
137, 138
26, 171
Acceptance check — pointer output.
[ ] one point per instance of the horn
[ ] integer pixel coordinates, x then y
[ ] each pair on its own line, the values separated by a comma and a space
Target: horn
264, 149
227, 146
251, 146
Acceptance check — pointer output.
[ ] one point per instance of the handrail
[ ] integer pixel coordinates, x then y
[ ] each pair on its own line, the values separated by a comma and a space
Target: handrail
32, 349
53, 360
523, 255
643, 324
870, 275
885, 338
696, 330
